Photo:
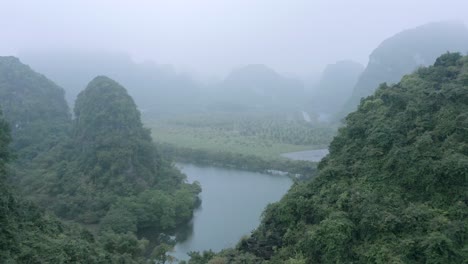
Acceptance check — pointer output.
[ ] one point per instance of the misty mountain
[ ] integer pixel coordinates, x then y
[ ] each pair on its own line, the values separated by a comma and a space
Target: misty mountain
258, 87
34, 106
39, 120
109, 155
155, 88
335, 87
405, 52
159, 89
108, 133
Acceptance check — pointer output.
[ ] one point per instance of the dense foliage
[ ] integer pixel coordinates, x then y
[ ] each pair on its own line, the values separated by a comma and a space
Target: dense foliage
100, 170
265, 136
250, 141
112, 148
28, 235
295, 168
34, 106
394, 188
110, 165
405, 52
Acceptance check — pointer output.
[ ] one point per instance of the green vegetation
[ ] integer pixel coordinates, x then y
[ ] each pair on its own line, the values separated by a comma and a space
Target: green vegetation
264, 135
253, 142
109, 164
100, 172
34, 106
304, 169
28, 235
393, 188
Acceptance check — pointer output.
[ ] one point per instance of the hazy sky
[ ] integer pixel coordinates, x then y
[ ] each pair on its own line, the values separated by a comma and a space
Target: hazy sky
211, 37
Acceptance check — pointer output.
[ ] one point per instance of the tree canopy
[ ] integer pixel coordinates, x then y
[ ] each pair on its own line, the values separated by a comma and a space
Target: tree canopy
99, 170
34, 106
29, 235
394, 188
107, 165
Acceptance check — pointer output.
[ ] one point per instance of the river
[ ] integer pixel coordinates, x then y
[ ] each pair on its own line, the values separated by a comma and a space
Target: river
232, 203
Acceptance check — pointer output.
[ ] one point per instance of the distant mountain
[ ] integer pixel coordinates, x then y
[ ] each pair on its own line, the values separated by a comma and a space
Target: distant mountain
34, 106
258, 87
335, 87
156, 88
159, 89
404, 53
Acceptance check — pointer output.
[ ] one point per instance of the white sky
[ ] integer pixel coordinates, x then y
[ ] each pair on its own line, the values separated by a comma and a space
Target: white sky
210, 37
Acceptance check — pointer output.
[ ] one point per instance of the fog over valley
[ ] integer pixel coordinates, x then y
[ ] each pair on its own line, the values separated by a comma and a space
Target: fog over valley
234, 131
210, 38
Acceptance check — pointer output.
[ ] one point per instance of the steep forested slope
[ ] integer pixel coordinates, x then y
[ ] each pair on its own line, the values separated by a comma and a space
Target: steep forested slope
394, 188
109, 171
110, 139
101, 169
404, 53
33, 105
28, 235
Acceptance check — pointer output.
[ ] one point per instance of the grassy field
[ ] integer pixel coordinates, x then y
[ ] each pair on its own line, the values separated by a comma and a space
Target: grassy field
266, 137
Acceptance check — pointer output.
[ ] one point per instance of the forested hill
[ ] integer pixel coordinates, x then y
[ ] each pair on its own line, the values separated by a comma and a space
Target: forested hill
404, 53
393, 188
103, 173
28, 235
33, 105
109, 169
110, 139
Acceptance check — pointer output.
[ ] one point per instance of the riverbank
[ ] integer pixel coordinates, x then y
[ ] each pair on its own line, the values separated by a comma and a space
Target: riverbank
251, 134
232, 204
295, 168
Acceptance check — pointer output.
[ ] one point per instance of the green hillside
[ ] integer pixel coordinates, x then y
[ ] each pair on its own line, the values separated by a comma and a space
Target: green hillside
34, 106
394, 188
100, 173
29, 235
108, 165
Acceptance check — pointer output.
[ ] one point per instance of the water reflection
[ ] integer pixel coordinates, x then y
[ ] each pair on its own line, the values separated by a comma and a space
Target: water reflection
232, 202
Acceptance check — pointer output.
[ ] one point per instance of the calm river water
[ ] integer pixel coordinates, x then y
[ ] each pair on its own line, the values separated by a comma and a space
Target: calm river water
232, 202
